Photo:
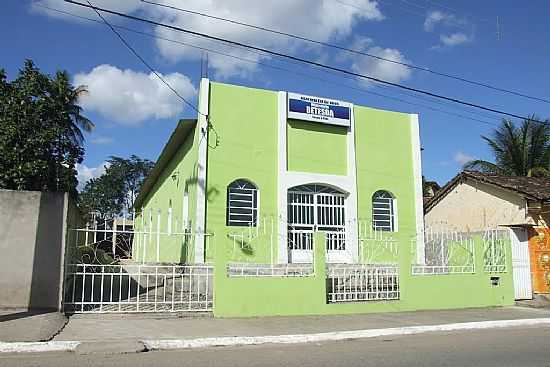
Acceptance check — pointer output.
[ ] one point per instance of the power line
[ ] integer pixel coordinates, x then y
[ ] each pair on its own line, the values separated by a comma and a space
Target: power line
362, 90
305, 61
142, 59
341, 48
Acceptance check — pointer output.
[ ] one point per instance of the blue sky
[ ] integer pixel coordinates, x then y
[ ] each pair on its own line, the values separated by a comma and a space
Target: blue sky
135, 114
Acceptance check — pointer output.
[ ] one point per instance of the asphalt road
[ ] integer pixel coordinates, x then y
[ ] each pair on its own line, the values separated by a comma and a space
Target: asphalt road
523, 347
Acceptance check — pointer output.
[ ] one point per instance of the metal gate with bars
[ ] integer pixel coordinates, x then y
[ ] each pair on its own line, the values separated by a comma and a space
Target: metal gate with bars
311, 208
137, 288
103, 276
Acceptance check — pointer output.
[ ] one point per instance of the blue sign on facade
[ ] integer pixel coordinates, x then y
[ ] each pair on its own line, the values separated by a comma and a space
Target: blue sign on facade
328, 111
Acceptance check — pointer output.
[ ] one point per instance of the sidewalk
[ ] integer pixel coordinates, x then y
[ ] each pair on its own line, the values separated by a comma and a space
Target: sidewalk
18, 325
140, 327
110, 333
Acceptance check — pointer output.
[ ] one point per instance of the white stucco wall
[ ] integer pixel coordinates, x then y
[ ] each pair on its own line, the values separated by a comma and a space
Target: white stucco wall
473, 206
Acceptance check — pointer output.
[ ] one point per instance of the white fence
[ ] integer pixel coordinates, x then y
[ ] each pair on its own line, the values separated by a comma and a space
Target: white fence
137, 288
144, 237
453, 252
446, 252
375, 246
495, 244
135, 263
352, 283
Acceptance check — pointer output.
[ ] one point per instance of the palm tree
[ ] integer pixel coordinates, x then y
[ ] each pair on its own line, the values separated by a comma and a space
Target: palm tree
69, 97
518, 151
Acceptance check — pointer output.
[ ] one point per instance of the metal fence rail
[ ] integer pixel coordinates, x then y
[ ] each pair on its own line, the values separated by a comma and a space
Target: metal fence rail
446, 252
269, 270
137, 288
442, 269
494, 250
354, 283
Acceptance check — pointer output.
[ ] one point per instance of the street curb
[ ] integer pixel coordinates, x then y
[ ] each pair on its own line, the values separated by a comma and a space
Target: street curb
335, 336
38, 347
171, 344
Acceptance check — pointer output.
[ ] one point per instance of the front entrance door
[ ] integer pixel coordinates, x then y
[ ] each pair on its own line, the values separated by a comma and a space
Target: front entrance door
316, 208
520, 264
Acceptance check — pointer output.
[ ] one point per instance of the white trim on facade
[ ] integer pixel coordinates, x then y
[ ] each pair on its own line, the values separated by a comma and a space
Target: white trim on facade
202, 124
417, 176
346, 183
282, 165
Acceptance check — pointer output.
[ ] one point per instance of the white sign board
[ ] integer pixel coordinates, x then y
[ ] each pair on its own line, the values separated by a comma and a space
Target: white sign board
318, 109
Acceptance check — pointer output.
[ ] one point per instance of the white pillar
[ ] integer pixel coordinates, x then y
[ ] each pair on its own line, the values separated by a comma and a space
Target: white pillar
202, 125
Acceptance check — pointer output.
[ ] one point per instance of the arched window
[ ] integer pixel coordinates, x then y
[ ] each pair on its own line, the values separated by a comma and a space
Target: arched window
242, 204
384, 211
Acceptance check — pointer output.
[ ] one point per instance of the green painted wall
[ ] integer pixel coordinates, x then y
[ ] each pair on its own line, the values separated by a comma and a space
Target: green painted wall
317, 148
244, 123
243, 144
178, 176
384, 161
249, 297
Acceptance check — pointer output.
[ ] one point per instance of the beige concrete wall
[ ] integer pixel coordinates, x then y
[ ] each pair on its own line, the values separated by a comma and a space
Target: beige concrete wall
33, 227
473, 206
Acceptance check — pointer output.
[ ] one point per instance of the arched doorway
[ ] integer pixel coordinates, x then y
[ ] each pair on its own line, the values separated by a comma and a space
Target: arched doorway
316, 207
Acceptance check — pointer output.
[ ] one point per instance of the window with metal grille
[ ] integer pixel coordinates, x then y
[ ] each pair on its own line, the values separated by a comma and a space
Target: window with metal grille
383, 211
242, 204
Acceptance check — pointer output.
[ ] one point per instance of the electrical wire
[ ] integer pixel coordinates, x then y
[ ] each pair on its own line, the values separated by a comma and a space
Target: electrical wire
358, 52
362, 90
143, 61
306, 61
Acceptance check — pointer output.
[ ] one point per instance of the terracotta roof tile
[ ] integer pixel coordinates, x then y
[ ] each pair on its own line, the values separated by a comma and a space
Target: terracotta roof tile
534, 188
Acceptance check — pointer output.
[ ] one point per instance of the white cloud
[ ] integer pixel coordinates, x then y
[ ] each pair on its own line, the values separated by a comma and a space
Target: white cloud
102, 140
130, 97
377, 68
437, 17
462, 158
449, 22
323, 20
86, 173
454, 39
320, 20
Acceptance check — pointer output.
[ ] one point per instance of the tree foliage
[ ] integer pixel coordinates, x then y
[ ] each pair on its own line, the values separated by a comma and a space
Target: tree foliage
115, 191
518, 151
41, 127
429, 188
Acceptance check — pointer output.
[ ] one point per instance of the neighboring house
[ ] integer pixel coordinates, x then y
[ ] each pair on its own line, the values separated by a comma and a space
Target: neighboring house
474, 201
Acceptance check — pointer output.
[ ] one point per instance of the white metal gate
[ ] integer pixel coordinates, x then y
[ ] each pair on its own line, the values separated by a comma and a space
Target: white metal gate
311, 208
115, 265
520, 264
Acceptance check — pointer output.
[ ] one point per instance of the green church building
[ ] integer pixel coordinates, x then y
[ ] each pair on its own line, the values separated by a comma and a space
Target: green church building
306, 205
293, 162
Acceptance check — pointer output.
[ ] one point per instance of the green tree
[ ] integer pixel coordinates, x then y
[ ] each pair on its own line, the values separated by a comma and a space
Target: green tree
429, 188
518, 151
115, 191
41, 127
